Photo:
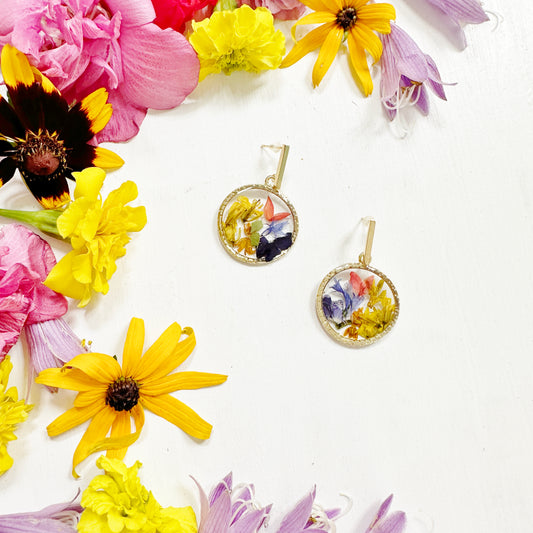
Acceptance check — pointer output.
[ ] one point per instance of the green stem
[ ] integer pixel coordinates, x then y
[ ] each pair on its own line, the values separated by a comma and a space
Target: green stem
44, 220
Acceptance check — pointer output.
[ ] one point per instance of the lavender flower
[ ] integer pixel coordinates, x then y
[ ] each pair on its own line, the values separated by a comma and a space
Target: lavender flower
461, 12
58, 518
231, 510
307, 517
394, 523
51, 343
406, 71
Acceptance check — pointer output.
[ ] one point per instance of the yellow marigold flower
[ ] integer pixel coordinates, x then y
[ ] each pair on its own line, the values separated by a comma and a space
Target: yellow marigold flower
117, 502
12, 412
111, 395
354, 20
98, 232
241, 39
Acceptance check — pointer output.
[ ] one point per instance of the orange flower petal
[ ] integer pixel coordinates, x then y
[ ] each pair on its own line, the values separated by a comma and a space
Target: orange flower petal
182, 381
133, 347
178, 414
327, 54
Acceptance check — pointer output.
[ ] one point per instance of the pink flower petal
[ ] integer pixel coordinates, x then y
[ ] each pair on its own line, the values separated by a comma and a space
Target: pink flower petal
134, 12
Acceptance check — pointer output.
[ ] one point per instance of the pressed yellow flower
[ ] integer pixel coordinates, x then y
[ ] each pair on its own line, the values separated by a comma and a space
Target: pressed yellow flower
111, 395
353, 20
12, 412
244, 210
240, 39
98, 233
117, 501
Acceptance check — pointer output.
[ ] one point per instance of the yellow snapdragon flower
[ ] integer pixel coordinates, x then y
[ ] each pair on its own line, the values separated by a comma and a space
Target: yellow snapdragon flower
117, 502
240, 39
98, 232
12, 412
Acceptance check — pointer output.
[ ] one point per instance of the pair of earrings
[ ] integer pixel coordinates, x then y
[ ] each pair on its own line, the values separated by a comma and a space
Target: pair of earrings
355, 303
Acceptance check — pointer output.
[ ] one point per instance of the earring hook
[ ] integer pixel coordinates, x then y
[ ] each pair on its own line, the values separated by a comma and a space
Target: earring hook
365, 257
278, 176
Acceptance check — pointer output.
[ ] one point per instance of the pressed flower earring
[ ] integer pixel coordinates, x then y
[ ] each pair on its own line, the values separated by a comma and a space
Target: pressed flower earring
256, 223
357, 304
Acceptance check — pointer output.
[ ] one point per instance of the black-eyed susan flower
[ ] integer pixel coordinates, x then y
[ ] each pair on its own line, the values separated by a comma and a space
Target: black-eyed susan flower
44, 138
110, 395
351, 20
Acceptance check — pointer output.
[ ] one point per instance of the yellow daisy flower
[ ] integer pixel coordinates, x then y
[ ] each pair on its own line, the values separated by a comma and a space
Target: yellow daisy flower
112, 395
98, 232
354, 20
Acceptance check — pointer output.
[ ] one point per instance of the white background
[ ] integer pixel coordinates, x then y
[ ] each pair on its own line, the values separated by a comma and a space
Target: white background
440, 410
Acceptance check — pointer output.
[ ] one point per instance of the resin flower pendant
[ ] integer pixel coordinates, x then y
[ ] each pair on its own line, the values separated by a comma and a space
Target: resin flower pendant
357, 304
256, 223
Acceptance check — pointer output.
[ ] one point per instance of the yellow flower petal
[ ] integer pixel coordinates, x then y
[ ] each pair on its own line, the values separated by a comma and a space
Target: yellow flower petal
97, 430
182, 381
72, 418
106, 158
95, 395
101, 367
318, 17
16, 69
360, 65
178, 414
89, 183
327, 54
319, 5
377, 16
121, 427
163, 357
368, 40
64, 378
133, 347
60, 278
97, 110
46, 84
310, 42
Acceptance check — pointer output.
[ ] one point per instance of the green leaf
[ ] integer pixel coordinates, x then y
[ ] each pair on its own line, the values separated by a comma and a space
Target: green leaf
256, 226
254, 239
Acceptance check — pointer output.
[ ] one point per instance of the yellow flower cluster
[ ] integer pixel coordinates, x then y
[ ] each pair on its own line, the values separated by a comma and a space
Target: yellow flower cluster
375, 317
117, 502
98, 233
245, 211
12, 412
240, 39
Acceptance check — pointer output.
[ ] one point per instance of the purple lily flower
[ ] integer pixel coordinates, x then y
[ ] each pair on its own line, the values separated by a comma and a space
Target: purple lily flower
394, 523
406, 72
231, 510
306, 517
58, 518
461, 12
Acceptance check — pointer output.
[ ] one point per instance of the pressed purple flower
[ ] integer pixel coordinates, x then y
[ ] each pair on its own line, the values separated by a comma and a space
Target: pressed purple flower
231, 510
393, 523
58, 518
267, 250
405, 73
461, 12
51, 343
307, 517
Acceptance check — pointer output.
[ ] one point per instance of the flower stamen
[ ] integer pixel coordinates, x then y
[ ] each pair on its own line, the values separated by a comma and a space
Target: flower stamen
41, 154
122, 394
346, 18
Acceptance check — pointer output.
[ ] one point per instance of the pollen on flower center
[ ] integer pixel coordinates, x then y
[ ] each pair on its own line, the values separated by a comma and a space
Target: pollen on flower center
346, 18
41, 154
122, 394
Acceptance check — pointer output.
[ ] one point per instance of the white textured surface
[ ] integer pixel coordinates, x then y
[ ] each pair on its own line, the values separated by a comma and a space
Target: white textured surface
440, 410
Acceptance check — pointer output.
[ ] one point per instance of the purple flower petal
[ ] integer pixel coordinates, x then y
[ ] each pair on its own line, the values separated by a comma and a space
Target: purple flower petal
465, 11
217, 521
296, 519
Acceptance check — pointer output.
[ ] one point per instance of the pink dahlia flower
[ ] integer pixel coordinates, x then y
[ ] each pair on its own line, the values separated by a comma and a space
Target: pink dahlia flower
82, 45
281, 9
25, 261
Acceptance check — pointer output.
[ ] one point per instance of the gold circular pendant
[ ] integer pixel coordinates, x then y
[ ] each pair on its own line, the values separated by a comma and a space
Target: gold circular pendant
357, 304
257, 224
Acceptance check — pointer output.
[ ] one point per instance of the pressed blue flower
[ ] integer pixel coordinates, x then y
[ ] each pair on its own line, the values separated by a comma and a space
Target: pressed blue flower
276, 229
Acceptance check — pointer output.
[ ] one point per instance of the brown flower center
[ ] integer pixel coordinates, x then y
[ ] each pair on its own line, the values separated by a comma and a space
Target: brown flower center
41, 154
122, 394
346, 18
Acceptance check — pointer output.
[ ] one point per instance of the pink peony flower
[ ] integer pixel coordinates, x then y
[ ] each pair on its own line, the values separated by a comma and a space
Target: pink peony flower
176, 13
281, 9
82, 45
25, 261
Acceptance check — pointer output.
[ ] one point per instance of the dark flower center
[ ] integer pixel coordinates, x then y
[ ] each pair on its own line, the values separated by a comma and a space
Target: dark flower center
41, 154
346, 18
122, 394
